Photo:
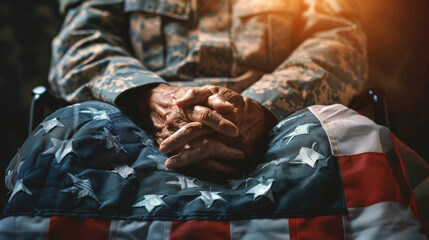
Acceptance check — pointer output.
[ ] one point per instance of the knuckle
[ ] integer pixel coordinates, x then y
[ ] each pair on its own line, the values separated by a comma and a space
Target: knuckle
208, 146
169, 117
192, 92
201, 152
216, 97
205, 143
188, 130
212, 88
204, 114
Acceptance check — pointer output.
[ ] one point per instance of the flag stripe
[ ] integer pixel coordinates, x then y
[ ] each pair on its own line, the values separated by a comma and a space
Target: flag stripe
324, 227
369, 178
23, 227
130, 229
382, 221
350, 133
200, 229
66, 228
261, 229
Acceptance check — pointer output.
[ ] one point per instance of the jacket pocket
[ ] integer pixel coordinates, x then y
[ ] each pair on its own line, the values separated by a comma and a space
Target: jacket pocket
148, 21
262, 32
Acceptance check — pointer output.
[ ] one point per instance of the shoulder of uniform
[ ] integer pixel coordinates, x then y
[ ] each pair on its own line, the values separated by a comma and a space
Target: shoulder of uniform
345, 7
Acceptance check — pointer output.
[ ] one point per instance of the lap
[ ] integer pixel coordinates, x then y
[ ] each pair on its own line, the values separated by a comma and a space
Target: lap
95, 141
91, 159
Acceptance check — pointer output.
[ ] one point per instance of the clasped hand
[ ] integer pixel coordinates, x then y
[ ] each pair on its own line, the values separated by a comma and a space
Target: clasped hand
206, 129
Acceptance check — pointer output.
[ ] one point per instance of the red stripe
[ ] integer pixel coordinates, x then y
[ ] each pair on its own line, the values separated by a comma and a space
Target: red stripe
72, 228
324, 227
370, 178
198, 229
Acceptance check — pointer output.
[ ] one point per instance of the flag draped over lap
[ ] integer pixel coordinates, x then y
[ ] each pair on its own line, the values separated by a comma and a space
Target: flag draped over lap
89, 172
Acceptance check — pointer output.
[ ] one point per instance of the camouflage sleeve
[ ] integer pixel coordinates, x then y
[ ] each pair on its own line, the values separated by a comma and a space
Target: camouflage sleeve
328, 66
90, 55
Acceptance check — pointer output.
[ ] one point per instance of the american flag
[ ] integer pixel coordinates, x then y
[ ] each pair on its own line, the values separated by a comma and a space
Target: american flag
89, 172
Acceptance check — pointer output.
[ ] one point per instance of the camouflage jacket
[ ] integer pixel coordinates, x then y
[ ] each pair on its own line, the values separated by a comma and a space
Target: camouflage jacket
284, 54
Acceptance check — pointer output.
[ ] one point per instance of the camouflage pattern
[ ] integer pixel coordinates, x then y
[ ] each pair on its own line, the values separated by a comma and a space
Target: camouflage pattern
285, 54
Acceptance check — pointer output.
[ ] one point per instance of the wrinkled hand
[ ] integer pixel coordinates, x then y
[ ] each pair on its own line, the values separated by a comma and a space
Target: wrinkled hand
252, 120
158, 106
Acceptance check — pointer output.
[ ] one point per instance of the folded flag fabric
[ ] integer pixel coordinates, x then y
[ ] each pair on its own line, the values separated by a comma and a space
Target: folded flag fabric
89, 172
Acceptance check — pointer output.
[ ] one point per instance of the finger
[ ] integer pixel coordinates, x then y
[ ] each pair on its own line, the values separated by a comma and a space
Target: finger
212, 119
194, 96
219, 103
205, 96
184, 135
201, 150
157, 121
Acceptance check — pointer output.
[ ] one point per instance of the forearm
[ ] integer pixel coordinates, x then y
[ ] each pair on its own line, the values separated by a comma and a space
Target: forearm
329, 66
90, 56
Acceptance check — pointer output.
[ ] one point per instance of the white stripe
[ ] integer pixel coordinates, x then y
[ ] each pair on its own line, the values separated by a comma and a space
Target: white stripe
260, 229
350, 133
132, 229
385, 220
23, 228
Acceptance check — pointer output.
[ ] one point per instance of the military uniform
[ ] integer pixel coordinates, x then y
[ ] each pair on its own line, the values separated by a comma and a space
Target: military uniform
321, 172
284, 54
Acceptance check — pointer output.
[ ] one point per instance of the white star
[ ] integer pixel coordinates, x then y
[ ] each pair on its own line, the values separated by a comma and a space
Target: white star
97, 115
138, 133
208, 198
262, 189
12, 175
19, 187
51, 124
61, 148
124, 171
308, 156
236, 183
17, 162
184, 183
112, 141
276, 162
150, 202
81, 188
301, 130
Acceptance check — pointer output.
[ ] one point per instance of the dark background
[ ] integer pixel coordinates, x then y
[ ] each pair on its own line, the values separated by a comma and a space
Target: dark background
398, 53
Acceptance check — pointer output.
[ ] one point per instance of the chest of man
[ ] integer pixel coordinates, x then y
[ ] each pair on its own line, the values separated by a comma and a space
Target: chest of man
212, 41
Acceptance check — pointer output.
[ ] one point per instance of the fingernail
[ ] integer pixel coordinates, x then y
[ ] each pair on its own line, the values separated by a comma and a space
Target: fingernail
236, 132
233, 131
167, 164
163, 148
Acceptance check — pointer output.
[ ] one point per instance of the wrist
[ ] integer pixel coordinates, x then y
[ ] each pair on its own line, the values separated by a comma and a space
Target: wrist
270, 120
145, 98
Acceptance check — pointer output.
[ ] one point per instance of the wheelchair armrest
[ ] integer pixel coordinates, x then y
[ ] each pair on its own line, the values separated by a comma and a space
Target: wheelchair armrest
375, 97
42, 99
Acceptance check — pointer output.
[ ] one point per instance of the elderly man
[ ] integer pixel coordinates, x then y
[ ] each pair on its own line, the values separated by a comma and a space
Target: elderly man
213, 121
209, 77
